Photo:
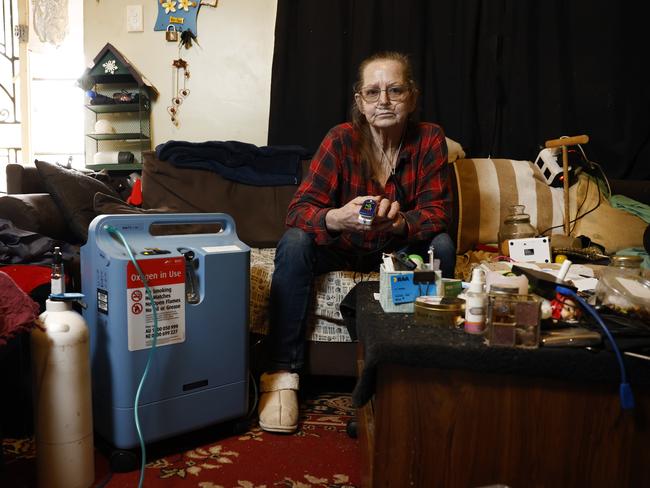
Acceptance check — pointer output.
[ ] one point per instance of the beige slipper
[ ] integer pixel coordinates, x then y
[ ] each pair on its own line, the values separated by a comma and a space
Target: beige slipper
278, 409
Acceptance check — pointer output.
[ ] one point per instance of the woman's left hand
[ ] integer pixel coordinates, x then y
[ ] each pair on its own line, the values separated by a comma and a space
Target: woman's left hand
389, 218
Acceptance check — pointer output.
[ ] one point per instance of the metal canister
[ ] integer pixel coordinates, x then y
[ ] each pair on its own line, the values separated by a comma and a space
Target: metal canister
439, 311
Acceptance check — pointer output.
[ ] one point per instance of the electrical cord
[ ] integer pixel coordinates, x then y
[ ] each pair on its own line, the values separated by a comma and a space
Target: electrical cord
591, 164
116, 233
578, 217
600, 169
625, 390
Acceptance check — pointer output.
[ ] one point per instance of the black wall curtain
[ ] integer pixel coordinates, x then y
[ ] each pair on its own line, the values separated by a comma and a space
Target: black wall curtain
500, 76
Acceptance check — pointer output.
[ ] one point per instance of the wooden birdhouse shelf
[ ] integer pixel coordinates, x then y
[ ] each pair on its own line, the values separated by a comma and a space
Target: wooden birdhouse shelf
118, 102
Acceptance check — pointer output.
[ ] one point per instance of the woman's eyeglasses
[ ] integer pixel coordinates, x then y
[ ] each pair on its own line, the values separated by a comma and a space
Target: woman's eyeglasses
395, 93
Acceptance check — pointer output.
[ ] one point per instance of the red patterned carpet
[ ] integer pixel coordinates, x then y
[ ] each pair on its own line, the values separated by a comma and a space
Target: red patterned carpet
320, 454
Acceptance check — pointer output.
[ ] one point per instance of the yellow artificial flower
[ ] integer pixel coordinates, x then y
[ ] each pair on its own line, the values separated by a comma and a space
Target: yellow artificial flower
186, 4
169, 6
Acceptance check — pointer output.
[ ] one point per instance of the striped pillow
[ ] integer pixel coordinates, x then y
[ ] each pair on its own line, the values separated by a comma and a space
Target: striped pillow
488, 187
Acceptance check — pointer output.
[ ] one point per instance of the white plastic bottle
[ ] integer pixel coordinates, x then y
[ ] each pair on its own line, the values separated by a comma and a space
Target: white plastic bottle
63, 422
476, 303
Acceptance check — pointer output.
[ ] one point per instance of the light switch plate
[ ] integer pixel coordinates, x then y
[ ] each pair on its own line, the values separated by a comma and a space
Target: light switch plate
134, 18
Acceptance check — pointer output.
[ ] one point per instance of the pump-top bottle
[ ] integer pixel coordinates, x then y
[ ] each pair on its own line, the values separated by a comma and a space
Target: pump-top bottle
476, 303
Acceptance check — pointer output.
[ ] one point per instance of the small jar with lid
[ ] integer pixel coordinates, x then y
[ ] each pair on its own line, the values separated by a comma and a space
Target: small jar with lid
516, 225
628, 265
439, 311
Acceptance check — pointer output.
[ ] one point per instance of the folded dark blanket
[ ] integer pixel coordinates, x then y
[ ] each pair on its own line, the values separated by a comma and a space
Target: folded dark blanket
18, 246
238, 161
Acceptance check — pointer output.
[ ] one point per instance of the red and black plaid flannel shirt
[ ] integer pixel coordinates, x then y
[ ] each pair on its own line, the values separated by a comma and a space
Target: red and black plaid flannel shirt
335, 177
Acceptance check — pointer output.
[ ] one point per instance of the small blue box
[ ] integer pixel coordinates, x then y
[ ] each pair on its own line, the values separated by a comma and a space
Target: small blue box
398, 291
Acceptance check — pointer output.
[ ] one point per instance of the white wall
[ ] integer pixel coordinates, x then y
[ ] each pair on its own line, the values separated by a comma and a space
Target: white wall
230, 69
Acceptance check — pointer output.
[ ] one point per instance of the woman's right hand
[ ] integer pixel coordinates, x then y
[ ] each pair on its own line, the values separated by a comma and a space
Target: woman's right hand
346, 218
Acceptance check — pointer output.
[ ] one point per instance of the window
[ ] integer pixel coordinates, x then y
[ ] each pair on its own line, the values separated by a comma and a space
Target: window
48, 122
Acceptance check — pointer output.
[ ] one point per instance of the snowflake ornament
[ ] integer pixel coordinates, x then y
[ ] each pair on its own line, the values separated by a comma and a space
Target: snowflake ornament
110, 66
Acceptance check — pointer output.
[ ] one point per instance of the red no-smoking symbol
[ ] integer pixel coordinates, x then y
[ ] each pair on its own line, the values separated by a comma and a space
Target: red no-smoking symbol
136, 296
136, 308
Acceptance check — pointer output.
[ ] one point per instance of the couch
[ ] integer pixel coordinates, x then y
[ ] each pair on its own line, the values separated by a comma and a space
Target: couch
61, 213
259, 213
484, 189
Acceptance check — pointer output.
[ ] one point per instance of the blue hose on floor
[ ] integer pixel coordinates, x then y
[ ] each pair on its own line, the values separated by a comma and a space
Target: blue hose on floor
625, 390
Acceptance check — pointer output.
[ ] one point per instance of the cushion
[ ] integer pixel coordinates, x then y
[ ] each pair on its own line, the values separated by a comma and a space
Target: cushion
325, 322
23, 179
486, 188
73, 193
611, 227
107, 204
258, 211
454, 150
35, 212
104, 204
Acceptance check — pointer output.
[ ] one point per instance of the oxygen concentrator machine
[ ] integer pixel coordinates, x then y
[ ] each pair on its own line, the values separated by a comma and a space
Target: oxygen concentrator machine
197, 271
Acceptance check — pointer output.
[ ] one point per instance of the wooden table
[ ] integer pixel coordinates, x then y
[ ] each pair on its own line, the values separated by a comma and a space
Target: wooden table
447, 411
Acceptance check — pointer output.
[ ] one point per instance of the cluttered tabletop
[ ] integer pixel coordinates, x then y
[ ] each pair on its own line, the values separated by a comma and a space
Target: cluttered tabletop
434, 335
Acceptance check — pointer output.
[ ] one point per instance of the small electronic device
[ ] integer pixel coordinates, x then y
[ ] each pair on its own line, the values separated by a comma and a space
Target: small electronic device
367, 211
531, 250
547, 162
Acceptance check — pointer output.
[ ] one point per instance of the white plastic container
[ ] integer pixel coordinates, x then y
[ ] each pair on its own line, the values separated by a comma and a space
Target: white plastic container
496, 279
63, 423
476, 302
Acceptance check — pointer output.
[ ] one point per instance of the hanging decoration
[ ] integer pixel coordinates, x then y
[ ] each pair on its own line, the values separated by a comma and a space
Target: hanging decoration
174, 17
179, 93
187, 38
181, 14
51, 20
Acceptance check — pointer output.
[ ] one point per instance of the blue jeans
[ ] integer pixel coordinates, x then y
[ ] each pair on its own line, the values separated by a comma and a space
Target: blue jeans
298, 260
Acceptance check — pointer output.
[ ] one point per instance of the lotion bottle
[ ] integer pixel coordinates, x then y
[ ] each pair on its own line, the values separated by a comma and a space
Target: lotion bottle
476, 303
